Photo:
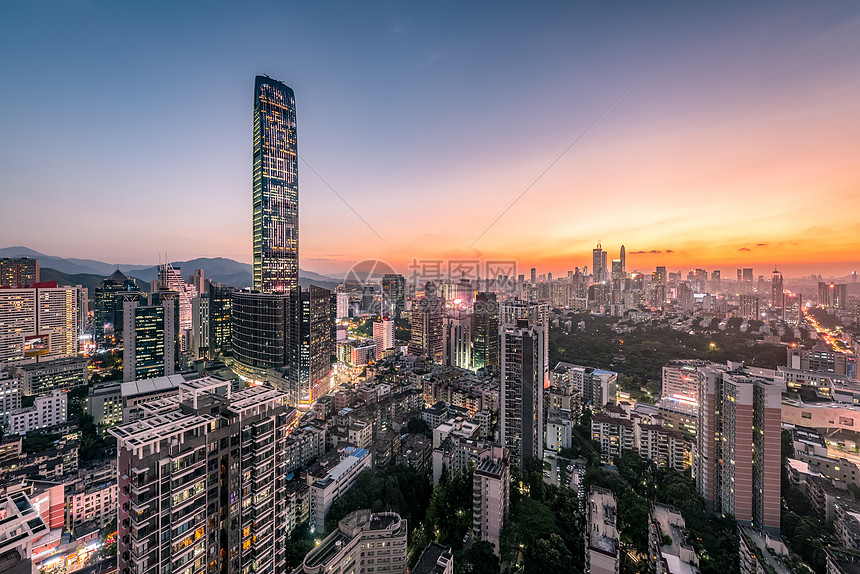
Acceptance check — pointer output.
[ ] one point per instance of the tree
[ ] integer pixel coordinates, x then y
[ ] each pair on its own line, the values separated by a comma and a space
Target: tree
479, 559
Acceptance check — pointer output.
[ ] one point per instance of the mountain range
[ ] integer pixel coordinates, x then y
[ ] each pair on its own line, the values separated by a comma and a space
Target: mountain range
90, 272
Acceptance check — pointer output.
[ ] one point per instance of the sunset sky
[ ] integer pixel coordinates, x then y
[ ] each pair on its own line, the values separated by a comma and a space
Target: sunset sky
738, 143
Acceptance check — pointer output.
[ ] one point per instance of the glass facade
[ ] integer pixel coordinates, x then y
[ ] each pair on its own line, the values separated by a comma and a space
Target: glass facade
259, 332
275, 188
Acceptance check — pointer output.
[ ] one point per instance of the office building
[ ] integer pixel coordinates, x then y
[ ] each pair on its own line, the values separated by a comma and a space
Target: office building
383, 336
201, 323
46, 376
668, 549
200, 282
394, 295
820, 359
491, 496
598, 264
325, 489
38, 322
170, 279
201, 482
220, 315
275, 184
259, 333
601, 532
777, 293
150, 337
310, 345
522, 375
363, 542
107, 308
18, 271
46, 412
485, 331
738, 445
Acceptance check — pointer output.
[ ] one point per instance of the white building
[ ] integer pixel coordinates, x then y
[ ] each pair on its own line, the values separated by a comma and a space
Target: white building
38, 322
10, 394
46, 411
325, 490
491, 484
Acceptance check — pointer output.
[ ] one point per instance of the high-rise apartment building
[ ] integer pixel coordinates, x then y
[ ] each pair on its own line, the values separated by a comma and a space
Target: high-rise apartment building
275, 188
259, 333
201, 485
602, 542
150, 337
201, 323
833, 295
522, 383
427, 337
18, 271
310, 344
738, 445
749, 307
485, 331
457, 328
537, 315
383, 336
38, 322
681, 381
491, 496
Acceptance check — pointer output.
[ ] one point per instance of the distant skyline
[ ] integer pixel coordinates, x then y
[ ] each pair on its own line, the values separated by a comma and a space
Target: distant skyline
736, 146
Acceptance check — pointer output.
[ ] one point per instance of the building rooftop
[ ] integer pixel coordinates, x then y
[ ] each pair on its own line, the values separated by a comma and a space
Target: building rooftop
151, 386
433, 559
603, 533
679, 556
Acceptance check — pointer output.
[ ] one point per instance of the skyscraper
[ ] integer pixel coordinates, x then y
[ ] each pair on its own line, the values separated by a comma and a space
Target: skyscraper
107, 313
259, 330
427, 336
310, 344
149, 336
597, 263
170, 278
778, 294
276, 188
521, 414
394, 294
485, 348
38, 322
623, 258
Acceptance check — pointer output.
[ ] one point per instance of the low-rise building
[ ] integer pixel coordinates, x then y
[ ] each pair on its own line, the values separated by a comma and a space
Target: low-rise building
760, 553
361, 542
601, 532
334, 483
435, 559
668, 550
46, 411
56, 375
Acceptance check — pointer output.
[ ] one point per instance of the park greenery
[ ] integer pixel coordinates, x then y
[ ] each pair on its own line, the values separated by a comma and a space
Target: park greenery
639, 355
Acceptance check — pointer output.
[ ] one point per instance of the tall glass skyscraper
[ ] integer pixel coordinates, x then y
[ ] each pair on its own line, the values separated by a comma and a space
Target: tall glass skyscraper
276, 188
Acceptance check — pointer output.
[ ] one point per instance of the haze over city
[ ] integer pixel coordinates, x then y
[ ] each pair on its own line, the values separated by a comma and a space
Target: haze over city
735, 145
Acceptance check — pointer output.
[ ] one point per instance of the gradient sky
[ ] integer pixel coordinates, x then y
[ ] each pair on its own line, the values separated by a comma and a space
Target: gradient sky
738, 144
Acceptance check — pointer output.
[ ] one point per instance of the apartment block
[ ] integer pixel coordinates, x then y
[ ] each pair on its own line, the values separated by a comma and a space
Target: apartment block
362, 542
46, 411
491, 498
668, 549
201, 481
334, 483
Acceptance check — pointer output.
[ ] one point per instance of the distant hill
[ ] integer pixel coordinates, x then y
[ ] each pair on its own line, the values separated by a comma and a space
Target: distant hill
88, 280
220, 269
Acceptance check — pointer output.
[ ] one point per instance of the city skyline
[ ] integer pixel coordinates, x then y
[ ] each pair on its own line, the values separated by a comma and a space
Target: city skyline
733, 148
